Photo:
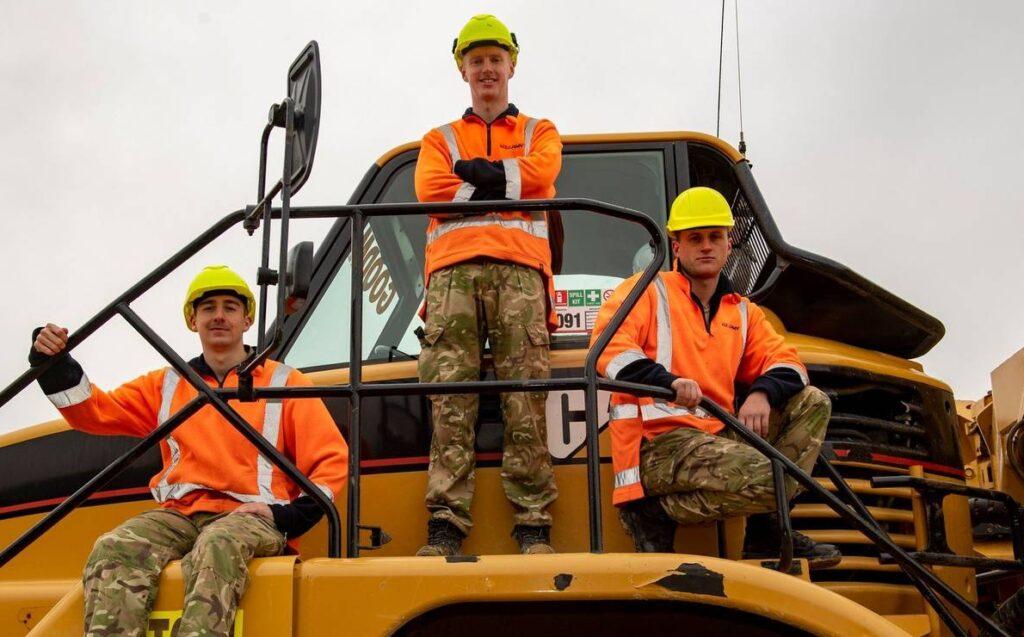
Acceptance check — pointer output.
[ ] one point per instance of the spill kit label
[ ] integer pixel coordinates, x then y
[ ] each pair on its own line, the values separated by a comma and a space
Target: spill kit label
577, 309
165, 623
578, 297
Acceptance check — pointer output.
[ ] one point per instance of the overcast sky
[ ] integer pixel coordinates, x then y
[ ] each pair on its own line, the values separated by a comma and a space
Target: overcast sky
883, 135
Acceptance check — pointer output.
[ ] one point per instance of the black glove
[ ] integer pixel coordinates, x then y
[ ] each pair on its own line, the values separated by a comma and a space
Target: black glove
64, 374
482, 173
35, 357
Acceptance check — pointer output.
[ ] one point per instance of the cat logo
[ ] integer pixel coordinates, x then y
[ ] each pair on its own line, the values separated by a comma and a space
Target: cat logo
165, 623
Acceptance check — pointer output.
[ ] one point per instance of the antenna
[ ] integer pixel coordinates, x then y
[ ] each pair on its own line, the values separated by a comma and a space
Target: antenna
739, 79
721, 44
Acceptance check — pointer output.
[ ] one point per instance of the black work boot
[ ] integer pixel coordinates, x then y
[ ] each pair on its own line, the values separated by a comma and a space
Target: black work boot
533, 540
444, 539
649, 526
763, 541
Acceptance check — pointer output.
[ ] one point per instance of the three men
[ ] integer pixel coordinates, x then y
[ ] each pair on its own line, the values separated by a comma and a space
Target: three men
692, 334
488, 279
221, 503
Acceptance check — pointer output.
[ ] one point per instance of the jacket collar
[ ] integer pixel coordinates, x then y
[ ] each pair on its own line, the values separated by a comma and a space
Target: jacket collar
510, 112
203, 368
724, 290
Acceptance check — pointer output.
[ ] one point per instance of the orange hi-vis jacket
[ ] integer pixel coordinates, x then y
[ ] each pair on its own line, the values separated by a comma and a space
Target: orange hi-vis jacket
668, 326
207, 465
530, 151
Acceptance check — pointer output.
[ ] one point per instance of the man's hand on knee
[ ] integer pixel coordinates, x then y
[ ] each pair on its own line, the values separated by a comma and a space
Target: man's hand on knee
754, 413
688, 392
255, 508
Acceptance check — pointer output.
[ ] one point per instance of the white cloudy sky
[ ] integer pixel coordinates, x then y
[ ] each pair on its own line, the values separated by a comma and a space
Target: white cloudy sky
883, 134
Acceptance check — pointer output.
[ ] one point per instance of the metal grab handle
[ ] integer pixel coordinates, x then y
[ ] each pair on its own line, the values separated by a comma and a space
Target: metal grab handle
934, 492
851, 498
785, 525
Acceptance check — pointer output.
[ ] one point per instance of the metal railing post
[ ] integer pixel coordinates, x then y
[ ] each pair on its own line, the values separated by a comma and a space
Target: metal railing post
785, 526
355, 380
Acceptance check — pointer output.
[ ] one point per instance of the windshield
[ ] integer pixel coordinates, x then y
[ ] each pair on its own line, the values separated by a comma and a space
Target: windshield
599, 252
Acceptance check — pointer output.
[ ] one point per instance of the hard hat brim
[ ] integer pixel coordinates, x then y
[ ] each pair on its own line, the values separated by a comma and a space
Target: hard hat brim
512, 50
700, 226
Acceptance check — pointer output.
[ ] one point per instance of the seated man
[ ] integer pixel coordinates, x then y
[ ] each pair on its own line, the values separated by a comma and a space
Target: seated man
222, 504
691, 333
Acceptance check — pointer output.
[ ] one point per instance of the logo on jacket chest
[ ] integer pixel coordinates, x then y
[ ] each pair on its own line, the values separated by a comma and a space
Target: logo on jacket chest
731, 326
511, 146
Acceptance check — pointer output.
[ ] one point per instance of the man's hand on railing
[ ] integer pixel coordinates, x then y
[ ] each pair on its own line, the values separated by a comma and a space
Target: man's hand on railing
688, 392
754, 413
49, 341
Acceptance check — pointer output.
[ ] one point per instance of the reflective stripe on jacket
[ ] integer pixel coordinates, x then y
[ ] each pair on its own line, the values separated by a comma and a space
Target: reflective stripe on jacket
668, 326
207, 464
530, 151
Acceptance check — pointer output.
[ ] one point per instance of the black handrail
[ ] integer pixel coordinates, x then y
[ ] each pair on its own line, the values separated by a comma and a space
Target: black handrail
355, 389
847, 494
920, 576
122, 306
590, 382
100, 480
218, 397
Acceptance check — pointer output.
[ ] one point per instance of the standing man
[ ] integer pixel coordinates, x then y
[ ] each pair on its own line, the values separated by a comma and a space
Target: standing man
488, 279
221, 504
691, 333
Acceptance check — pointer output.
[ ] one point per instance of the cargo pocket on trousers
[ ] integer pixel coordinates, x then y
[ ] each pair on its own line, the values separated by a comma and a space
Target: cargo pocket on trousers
677, 461
538, 352
538, 335
431, 334
427, 367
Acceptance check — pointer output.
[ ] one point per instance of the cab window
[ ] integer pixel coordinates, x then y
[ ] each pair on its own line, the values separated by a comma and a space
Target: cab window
599, 252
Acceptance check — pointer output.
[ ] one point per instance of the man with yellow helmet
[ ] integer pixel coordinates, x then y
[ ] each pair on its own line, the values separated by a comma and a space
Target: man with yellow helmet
221, 503
691, 333
488, 278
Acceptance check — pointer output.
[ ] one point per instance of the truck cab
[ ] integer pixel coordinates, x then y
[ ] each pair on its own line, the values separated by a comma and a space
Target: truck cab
857, 340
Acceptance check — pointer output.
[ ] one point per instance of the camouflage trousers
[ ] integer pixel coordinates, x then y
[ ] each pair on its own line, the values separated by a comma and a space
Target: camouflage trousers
702, 477
123, 570
505, 305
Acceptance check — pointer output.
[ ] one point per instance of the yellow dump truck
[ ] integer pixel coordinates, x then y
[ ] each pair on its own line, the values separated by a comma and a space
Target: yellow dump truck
891, 421
994, 459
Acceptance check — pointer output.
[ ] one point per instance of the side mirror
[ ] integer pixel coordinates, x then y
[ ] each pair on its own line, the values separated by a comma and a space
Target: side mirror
304, 88
298, 277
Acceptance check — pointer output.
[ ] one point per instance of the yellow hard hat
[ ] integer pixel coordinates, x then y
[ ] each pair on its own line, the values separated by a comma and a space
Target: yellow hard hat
482, 30
699, 207
215, 278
